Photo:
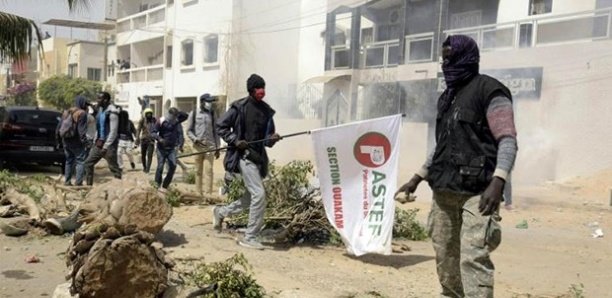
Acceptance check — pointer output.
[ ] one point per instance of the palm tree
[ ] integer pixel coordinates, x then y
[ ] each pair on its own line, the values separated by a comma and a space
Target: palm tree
18, 32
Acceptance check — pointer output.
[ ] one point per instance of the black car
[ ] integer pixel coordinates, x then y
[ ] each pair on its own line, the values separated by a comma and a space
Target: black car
27, 135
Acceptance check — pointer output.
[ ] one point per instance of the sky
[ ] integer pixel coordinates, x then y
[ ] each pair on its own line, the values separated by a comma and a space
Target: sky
43, 10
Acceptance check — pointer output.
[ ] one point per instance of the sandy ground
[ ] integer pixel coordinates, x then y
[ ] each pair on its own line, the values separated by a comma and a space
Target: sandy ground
555, 252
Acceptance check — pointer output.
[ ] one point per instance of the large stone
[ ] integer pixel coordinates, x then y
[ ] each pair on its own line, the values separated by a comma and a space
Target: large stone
127, 204
62, 291
124, 267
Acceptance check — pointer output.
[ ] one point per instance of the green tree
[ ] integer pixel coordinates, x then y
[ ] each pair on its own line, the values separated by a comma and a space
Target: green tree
18, 32
60, 91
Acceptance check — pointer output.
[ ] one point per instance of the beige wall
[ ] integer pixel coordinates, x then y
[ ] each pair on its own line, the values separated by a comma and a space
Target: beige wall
567, 132
56, 58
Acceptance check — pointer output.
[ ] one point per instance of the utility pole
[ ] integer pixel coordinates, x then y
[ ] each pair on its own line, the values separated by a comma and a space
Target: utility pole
105, 60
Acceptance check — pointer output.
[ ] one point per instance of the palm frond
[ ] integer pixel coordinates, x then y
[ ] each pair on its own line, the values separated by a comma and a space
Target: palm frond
76, 5
16, 37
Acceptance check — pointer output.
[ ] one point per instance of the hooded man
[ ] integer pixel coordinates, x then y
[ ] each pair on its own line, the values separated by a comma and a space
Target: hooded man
475, 150
105, 144
168, 135
203, 134
248, 127
75, 145
145, 139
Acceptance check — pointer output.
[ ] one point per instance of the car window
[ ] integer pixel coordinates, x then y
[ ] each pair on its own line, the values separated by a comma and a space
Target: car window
34, 117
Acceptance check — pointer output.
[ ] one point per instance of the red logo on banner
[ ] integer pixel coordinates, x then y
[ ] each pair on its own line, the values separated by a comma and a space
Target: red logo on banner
372, 150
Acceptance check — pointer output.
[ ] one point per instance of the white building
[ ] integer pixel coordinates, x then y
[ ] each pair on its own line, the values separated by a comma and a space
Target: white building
174, 51
382, 57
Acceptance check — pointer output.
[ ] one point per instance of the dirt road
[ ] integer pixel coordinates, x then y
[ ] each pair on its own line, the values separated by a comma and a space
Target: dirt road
554, 253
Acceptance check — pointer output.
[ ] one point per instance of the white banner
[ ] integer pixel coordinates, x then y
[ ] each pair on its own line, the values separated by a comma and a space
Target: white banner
357, 169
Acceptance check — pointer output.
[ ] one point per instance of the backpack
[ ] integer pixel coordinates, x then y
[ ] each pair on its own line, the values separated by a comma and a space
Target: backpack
124, 123
68, 126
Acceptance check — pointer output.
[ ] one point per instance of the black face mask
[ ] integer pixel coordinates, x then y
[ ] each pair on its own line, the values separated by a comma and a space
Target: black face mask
148, 116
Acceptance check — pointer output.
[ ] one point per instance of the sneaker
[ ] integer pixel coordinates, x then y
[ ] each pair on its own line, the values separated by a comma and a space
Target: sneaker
67, 183
254, 244
133, 165
217, 219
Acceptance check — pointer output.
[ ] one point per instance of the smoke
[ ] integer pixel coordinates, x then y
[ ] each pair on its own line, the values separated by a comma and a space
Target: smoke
536, 158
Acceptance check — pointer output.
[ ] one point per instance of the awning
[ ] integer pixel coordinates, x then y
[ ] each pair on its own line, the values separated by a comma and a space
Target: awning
79, 24
344, 4
325, 79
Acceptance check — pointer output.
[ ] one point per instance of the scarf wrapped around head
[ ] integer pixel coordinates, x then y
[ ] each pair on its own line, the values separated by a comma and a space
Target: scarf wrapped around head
459, 67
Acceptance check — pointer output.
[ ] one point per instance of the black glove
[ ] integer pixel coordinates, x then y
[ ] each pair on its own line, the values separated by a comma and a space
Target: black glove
241, 144
492, 197
410, 186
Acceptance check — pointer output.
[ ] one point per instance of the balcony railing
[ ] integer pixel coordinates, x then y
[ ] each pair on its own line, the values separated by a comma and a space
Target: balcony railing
141, 74
381, 53
142, 19
541, 30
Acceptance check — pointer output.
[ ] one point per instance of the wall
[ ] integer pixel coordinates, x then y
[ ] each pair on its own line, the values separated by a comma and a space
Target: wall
514, 10
311, 50
91, 55
565, 133
55, 58
196, 20
268, 45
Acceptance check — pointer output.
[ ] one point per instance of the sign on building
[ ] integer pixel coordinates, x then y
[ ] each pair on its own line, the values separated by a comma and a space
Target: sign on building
524, 83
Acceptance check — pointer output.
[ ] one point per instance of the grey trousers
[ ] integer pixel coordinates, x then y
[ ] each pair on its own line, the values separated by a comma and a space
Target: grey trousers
95, 154
254, 199
462, 239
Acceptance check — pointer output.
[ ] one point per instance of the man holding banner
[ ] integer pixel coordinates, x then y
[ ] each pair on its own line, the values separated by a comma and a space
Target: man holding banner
475, 150
248, 127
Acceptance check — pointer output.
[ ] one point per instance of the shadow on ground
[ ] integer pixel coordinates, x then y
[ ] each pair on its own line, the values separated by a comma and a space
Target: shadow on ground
395, 261
171, 239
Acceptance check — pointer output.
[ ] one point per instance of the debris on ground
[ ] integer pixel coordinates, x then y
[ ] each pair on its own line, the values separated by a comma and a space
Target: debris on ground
32, 259
295, 211
598, 233
231, 278
522, 225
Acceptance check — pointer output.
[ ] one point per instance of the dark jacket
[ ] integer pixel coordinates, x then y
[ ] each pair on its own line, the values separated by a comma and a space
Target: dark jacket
79, 114
168, 133
466, 151
231, 127
131, 132
145, 128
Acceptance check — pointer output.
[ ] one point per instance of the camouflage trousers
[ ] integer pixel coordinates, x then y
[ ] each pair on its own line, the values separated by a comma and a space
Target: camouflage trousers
462, 239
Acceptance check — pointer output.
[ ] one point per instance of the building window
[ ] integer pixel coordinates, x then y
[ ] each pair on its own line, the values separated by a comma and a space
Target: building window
94, 74
211, 48
540, 7
168, 56
72, 70
187, 53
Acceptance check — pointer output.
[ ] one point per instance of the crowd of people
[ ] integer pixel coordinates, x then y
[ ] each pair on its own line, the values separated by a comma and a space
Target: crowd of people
467, 170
